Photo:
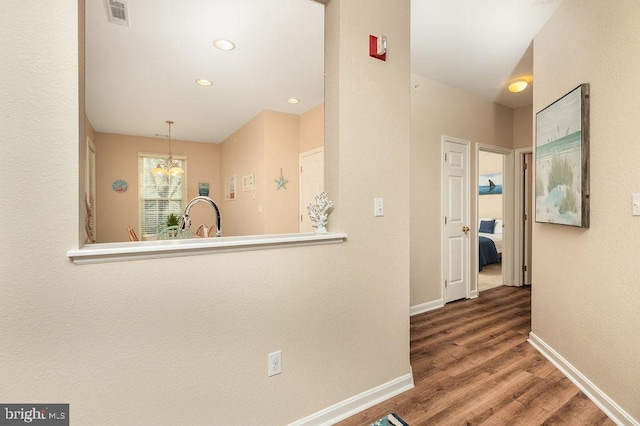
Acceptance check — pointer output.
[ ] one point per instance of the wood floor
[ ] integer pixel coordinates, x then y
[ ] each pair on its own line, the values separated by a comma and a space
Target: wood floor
472, 365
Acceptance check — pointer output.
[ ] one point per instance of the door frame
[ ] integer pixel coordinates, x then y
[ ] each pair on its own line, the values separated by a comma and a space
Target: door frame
519, 211
302, 208
469, 178
508, 204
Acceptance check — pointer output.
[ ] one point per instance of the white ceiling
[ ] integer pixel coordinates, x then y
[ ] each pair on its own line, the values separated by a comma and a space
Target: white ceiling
138, 77
478, 46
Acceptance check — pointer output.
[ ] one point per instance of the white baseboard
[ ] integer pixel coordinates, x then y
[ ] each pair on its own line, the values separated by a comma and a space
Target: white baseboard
426, 307
474, 294
358, 403
606, 404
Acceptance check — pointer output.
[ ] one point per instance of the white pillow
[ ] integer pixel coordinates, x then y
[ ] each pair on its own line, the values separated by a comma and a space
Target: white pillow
498, 228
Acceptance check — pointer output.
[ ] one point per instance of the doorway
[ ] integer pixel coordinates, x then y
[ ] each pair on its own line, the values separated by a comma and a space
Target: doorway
490, 219
524, 216
495, 212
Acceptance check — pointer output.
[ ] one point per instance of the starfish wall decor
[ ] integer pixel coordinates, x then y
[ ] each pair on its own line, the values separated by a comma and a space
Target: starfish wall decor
282, 183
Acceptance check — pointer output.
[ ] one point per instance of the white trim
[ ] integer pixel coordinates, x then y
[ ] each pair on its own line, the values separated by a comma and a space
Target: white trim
606, 404
161, 155
519, 211
426, 307
312, 151
302, 209
141, 186
358, 403
138, 250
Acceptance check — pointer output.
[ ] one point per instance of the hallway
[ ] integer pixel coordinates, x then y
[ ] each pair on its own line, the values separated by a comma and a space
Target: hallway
472, 365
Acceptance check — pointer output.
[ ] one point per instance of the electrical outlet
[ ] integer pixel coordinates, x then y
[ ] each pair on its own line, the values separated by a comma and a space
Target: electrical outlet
378, 207
275, 363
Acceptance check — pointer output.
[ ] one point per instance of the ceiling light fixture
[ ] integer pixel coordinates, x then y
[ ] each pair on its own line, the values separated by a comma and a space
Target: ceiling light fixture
224, 44
518, 86
293, 100
204, 82
169, 167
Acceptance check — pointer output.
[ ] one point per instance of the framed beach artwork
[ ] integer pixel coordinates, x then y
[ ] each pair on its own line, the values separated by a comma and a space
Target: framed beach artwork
562, 160
490, 184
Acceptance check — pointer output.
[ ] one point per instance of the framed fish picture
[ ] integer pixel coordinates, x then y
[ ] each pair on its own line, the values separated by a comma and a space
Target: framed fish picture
490, 184
562, 160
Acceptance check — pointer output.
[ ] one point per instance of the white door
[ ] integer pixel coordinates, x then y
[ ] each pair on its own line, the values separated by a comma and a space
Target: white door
311, 183
456, 200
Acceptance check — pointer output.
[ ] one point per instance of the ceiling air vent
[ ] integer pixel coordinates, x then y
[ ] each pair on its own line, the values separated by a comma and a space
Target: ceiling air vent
118, 12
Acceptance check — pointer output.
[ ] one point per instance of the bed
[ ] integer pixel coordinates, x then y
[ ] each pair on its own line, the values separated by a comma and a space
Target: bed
489, 242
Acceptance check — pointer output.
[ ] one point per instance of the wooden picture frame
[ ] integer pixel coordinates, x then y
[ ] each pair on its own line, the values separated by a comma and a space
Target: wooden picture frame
562, 160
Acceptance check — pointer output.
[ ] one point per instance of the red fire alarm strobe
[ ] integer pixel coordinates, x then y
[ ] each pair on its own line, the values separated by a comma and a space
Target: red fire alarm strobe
378, 47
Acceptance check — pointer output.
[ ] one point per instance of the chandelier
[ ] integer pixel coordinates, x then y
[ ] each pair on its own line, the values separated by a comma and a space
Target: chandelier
169, 167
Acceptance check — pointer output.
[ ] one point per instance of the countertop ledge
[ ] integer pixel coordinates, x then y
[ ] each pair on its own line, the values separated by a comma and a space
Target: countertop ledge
120, 252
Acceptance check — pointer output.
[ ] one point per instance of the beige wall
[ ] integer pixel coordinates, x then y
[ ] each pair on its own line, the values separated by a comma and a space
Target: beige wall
490, 205
436, 110
117, 158
523, 127
241, 154
367, 139
194, 332
266, 144
282, 149
585, 294
312, 128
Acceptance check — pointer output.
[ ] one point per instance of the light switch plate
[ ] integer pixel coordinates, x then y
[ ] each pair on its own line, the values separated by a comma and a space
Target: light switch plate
636, 204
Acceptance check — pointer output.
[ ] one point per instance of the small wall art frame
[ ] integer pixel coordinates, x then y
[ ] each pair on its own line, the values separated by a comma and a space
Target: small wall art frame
203, 189
119, 185
230, 188
562, 160
490, 184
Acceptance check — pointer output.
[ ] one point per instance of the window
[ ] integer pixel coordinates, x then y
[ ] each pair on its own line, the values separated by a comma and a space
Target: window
159, 195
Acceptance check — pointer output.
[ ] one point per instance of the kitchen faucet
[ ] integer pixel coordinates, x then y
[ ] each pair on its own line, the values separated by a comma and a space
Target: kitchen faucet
185, 221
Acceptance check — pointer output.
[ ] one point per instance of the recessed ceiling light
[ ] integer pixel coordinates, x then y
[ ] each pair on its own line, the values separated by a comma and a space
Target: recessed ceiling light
224, 44
204, 82
293, 100
518, 86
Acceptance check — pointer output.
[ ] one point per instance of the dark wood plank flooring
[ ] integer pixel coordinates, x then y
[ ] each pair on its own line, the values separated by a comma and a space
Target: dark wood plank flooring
472, 365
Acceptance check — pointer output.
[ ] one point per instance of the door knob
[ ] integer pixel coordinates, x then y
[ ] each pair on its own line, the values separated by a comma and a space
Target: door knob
465, 229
